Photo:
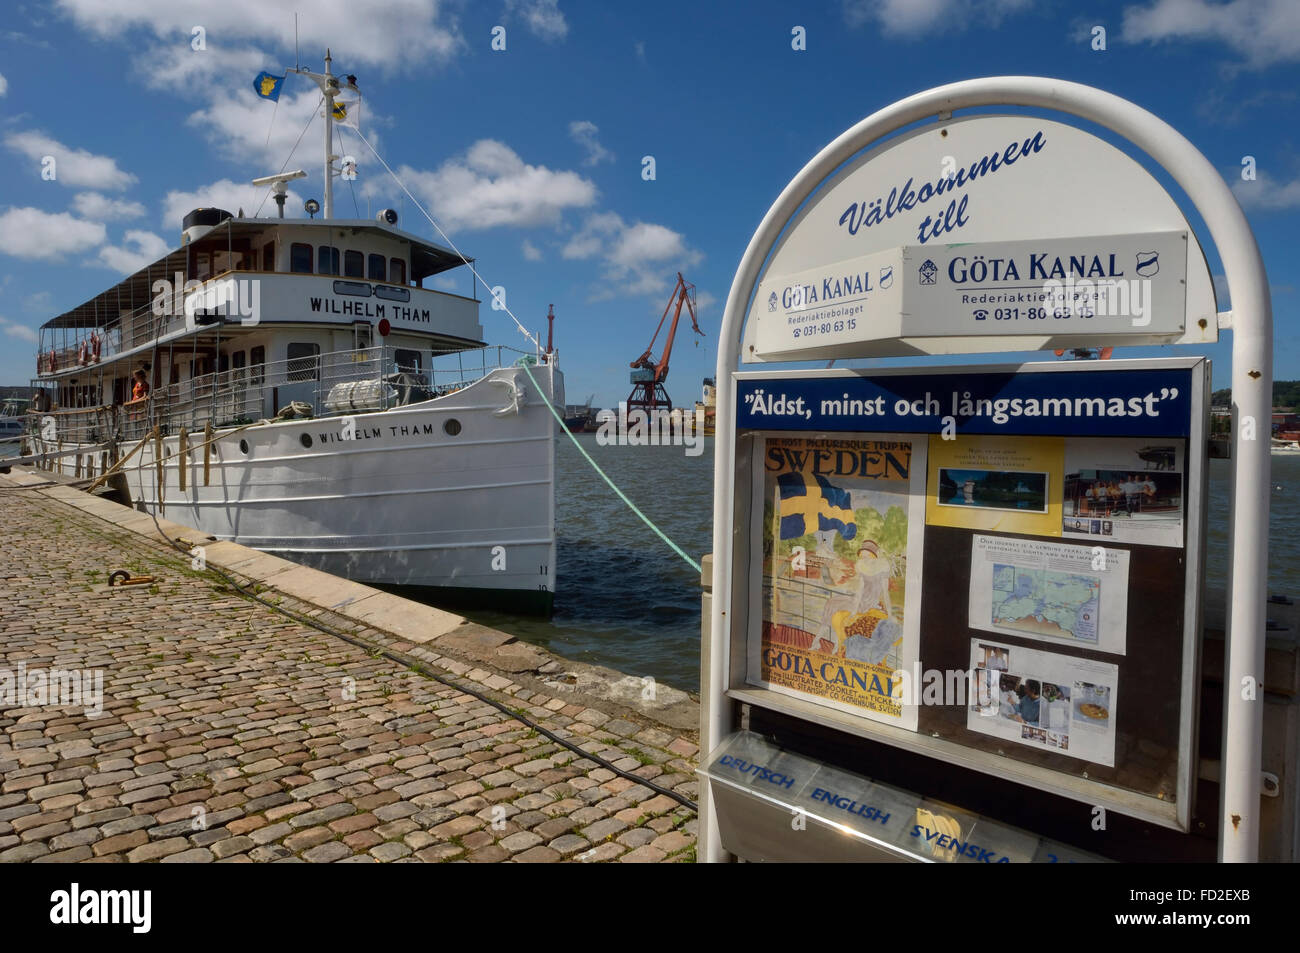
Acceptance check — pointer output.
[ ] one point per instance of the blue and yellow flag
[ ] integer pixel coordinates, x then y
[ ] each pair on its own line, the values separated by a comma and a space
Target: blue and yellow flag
808, 507
268, 86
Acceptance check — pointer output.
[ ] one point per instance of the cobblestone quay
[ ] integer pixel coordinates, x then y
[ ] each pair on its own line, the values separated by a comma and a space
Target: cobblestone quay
229, 733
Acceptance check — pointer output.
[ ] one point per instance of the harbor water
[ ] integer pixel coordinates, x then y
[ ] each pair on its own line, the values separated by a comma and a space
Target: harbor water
625, 600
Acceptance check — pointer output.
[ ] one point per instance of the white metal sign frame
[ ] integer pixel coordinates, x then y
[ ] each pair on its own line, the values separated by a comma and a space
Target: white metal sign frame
1252, 385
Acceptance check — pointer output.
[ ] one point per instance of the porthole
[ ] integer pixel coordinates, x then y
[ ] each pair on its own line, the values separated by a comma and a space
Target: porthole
243, 447
305, 440
452, 427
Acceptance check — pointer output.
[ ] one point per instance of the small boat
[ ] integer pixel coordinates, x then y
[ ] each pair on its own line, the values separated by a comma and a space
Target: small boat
13, 421
1284, 446
580, 418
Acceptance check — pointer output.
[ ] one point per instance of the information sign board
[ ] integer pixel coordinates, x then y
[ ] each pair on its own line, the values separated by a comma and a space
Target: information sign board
999, 559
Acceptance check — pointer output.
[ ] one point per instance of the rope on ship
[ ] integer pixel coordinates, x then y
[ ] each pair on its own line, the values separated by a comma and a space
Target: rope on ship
524, 364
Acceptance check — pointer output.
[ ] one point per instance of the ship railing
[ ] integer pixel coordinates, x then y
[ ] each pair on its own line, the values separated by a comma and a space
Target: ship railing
71, 427
132, 328
382, 377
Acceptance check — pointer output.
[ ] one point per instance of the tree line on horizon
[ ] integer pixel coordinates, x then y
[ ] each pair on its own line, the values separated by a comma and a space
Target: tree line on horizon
1285, 394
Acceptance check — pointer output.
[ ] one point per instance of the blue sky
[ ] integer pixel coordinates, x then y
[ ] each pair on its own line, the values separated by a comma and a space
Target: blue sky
531, 158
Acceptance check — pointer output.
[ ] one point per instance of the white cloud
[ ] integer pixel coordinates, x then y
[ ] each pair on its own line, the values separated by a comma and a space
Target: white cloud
75, 167
138, 248
916, 17
238, 125
33, 234
389, 36
20, 331
1263, 32
583, 132
4, 85
101, 208
177, 67
531, 251
542, 17
490, 185
637, 259
232, 196
1265, 192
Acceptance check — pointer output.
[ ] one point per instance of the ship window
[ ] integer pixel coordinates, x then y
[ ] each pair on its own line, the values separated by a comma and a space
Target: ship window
377, 270
397, 271
268, 256
327, 260
408, 361
237, 360
354, 264
223, 363
257, 357
300, 258
303, 362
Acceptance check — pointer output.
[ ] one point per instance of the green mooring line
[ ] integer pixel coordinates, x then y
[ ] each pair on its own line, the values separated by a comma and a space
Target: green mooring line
595, 466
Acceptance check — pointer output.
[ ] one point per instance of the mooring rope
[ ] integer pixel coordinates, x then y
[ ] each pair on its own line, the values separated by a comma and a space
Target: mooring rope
604, 476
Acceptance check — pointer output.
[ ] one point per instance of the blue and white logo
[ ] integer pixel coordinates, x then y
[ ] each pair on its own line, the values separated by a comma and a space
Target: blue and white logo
928, 271
886, 276
1148, 263
771, 301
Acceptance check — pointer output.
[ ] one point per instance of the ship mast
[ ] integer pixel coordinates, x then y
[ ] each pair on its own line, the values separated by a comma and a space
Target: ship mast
329, 87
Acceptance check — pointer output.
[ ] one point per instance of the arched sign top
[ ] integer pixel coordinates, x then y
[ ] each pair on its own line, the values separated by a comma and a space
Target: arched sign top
986, 233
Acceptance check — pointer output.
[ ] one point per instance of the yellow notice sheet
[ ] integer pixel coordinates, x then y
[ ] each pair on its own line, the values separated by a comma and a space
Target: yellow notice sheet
1008, 484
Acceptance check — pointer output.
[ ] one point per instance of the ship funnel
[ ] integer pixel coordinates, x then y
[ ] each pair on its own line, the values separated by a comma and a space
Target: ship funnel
201, 221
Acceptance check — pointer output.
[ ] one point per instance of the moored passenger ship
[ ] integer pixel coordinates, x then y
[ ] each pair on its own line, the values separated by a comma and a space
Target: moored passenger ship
308, 397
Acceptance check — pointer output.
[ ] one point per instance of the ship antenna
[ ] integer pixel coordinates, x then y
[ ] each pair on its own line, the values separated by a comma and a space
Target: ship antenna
329, 87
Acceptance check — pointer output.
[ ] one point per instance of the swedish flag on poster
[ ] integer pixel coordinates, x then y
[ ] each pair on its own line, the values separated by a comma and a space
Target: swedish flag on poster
840, 522
808, 507
268, 86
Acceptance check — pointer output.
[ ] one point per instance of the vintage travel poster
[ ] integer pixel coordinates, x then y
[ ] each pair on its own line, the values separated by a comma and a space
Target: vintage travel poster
1012, 484
841, 524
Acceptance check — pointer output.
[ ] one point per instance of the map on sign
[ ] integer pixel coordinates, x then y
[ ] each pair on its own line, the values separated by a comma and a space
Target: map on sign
1053, 592
1045, 602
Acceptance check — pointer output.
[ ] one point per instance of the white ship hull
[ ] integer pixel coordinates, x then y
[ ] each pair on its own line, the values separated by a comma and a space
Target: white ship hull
400, 497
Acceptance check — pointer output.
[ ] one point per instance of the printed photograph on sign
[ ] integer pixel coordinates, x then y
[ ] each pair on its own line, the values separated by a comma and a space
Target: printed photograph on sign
1046, 701
1049, 591
841, 526
1011, 484
1129, 490
1020, 491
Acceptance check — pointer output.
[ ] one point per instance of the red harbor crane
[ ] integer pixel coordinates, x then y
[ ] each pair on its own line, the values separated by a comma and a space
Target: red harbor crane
648, 375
